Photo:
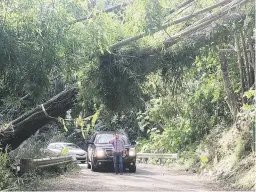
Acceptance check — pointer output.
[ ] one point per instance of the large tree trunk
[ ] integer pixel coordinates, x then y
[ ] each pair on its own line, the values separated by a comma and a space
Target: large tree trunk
27, 124
231, 97
240, 65
246, 62
252, 57
252, 54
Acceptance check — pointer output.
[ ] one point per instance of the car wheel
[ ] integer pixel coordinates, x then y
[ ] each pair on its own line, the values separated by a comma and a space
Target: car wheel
88, 163
93, 167
132, 169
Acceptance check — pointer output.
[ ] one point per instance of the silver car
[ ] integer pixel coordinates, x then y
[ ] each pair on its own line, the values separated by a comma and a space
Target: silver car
55, 149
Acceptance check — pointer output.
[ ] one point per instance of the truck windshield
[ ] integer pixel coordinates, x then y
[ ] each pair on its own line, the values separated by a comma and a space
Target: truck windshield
105, 138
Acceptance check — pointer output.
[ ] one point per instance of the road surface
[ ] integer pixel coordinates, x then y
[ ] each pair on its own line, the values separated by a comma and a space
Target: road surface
147, 178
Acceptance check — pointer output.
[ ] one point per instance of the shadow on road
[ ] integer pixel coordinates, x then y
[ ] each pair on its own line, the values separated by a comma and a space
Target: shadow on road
140, 170
144, 172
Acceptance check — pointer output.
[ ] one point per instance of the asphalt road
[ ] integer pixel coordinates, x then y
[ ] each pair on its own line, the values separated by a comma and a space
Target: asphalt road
147, 178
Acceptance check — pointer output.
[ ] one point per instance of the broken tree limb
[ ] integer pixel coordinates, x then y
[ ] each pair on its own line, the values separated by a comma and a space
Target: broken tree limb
181, 6
191, 29
223, 11
177, 21
27, 124
227, 5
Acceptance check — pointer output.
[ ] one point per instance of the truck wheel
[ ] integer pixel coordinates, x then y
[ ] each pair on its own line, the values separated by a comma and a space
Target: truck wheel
93, 167
88, 163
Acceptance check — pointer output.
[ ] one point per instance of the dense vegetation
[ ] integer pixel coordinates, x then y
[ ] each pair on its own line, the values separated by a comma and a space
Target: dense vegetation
169, 88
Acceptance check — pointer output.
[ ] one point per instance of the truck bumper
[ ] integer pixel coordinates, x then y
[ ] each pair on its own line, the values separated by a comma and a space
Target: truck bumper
127, 162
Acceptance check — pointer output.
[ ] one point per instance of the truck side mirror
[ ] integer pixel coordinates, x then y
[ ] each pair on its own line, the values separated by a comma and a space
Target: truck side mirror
89, 143
86, 145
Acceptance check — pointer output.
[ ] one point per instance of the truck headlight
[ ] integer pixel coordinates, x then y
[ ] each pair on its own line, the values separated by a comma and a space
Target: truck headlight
132, 152
100, 152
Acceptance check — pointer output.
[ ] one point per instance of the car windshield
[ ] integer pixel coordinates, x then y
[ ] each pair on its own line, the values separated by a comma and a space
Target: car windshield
71, 146
105, 138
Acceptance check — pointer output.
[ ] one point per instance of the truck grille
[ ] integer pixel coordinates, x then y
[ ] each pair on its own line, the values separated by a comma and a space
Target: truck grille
80, 154
109, 153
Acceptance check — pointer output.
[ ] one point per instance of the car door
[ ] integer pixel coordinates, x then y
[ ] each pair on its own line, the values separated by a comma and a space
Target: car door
52, 150
59, 148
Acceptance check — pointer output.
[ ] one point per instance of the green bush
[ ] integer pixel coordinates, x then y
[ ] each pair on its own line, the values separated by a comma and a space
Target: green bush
7, 178
10, 181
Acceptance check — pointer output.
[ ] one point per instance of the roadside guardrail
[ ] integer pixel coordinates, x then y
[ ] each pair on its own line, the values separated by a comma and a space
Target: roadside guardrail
159, 156
27, 165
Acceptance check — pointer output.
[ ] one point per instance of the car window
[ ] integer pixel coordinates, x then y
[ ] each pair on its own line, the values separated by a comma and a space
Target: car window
71, 146
105, 138
51, 146
58, 146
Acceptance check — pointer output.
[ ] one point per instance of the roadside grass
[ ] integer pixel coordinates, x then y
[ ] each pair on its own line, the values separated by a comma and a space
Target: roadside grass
31, 148
10, 181
34, 180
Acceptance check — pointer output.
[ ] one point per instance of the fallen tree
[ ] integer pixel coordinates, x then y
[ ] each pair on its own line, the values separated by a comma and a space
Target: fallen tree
27, 124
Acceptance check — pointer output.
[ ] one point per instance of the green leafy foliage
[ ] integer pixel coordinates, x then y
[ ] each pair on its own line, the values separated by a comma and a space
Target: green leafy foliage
62, 121
204, 159
174, 120
250, 94
7, 178
64, 151
154, 15
87, 122
118, 83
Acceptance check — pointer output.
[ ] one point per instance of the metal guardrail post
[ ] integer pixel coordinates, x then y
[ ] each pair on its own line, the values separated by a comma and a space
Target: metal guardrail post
254, 136
159, 156
26, 165
160, 161
178, 154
